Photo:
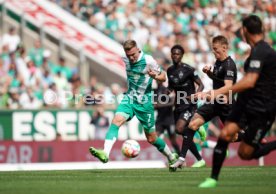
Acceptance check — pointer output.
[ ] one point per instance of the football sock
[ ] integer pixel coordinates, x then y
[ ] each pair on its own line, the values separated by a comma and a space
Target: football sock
264, 149
175, 147
167, 152
209, 144
108, 144
110, 138
163, 148
195, 151
112, 132
188, 136
159, 144
218, 157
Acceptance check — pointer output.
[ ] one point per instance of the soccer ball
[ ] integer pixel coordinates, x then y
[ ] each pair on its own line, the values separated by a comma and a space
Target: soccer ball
130, 148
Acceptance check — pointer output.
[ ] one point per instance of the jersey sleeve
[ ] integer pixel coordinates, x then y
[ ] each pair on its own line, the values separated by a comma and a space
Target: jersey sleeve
152, 64
255, 61
230, 71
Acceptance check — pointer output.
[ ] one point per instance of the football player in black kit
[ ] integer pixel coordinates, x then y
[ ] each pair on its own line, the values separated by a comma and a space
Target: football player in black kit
224, 75
182, 79
255, 105
165, 118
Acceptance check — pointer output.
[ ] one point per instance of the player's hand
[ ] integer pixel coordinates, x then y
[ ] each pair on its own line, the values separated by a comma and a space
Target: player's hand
152, 73
207, 69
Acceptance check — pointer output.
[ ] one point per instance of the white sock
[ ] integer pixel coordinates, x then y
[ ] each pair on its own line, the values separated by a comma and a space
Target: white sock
181, 158
211, 144
108, 144
167, 152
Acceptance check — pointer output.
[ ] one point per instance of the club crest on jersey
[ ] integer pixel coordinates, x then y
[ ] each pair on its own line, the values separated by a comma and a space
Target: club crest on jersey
180, 74
175, 80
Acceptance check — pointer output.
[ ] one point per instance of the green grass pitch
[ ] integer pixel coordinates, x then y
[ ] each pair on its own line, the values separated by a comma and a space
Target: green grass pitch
253, 180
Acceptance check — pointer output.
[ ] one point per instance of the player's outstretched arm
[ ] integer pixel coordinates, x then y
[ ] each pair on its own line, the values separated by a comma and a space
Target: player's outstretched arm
212, 94
158, 76
248, 81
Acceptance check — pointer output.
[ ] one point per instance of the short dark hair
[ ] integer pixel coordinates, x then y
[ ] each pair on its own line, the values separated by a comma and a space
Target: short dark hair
129, 44
253, 24
179, 47
220, 39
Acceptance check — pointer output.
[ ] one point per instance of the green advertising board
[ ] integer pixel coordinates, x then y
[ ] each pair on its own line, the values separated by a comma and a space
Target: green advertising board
44, 125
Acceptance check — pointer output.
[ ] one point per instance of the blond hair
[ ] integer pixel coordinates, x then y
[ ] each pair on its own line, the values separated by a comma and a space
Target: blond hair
129, 44
221, 40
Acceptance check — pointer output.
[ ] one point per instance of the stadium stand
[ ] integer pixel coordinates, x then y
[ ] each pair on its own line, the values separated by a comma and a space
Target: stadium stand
156, 25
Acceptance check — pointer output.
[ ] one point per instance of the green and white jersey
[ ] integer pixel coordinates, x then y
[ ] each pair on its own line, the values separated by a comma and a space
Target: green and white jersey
138, 80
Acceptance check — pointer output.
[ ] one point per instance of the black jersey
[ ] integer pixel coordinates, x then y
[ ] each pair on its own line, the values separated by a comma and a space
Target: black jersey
261, 98
182, 79
164, 114
224, 70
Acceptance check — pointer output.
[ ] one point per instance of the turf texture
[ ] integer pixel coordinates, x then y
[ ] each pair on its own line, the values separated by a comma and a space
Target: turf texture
253, 180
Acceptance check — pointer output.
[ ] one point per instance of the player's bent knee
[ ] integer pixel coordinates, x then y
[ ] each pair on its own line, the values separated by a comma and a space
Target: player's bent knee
151, 137
151, 140
118, 120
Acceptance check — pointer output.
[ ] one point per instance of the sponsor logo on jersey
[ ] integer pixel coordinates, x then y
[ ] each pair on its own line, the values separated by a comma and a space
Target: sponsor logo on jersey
230, 73
255, 64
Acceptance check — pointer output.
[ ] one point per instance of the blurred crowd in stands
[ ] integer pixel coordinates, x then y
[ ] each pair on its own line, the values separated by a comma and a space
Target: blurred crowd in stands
157, 25
28, 79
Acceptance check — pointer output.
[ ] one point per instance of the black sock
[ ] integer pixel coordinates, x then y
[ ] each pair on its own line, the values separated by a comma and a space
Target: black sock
194, 151
176, 147
218, 157
264, 149
188, 136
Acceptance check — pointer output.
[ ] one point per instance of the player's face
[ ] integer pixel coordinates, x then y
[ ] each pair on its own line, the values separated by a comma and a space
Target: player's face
219, 50
176, 56
133, 54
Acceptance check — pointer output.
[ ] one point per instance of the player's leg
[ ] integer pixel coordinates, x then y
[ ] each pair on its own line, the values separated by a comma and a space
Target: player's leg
226, 136
224, 111
124, 112
209, 144
159, 129
172, 136
160, 144
181, 124
145, 114
201, 135
196, 147
204, 114
188, 135
251, 146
